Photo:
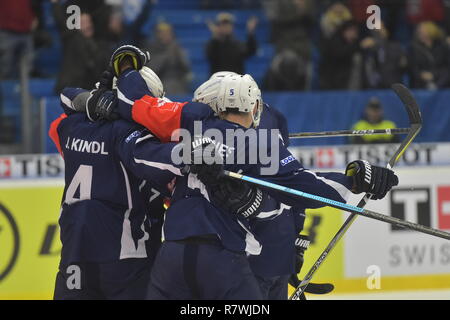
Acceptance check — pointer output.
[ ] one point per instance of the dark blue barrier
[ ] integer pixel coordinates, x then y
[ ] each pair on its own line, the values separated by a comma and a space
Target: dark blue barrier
320, 111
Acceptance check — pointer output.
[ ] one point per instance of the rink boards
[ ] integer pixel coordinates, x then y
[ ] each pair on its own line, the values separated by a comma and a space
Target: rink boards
374, 256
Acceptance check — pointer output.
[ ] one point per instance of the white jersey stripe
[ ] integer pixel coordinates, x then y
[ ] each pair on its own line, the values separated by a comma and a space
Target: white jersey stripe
144, 138
122, 97
273, 213
162, 166
252, 246
341, 189
66, 101
127, 247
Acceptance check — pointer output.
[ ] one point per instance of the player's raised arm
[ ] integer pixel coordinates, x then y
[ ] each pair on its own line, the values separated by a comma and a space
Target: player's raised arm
141, 97
72, 100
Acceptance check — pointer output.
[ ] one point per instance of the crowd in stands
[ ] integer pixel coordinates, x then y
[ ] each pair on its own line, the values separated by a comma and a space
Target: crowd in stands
350, 56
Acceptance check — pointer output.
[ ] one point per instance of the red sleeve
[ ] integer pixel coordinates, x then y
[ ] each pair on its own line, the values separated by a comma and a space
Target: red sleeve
53, 131
160, 117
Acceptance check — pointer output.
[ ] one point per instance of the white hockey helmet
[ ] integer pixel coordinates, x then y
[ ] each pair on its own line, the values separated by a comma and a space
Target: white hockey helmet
221, 74
207, 92
240, 93
260, 104
153, 82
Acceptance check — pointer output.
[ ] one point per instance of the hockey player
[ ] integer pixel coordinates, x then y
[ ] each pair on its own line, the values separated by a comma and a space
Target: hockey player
111, 212
278, 231
281, 256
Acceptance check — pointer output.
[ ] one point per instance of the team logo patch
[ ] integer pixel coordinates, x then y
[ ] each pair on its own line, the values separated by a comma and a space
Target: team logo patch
287, 160
133, 135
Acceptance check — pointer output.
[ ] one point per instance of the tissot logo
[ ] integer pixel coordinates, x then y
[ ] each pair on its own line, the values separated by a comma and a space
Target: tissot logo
412, 204
9, 242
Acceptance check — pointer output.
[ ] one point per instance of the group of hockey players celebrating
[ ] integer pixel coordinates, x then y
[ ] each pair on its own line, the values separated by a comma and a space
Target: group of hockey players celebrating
137, 223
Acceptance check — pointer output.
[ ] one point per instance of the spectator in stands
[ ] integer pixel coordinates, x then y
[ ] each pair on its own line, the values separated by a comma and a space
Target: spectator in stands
169, 60
340, 63
333, 18
384, 61
17, 20
373, 119
287, 72
429, 59
83, 57
224, 51
291, 25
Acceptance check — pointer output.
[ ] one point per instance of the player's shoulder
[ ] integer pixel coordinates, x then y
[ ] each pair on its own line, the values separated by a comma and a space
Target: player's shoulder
198, 110
274, 111
76, 119
122, 128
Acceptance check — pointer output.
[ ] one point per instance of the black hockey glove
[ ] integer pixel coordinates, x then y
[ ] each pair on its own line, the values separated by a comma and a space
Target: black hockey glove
106, 79
371, 179
138, 58
101, 105
204, 161
225, 193
237, 197
301, 244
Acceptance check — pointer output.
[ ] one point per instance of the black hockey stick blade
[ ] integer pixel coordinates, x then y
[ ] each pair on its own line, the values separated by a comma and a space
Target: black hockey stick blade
408, 100
415, 119
319, 288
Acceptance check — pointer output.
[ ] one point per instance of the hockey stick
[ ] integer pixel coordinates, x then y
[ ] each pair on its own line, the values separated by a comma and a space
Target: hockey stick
343, 206
415, 120
345, 133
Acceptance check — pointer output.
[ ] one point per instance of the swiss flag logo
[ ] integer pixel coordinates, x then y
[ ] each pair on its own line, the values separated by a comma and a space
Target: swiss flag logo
325, 158
5, 167
443, 194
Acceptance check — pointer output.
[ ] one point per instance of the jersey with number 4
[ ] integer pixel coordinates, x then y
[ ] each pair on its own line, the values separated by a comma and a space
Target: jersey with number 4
112, 204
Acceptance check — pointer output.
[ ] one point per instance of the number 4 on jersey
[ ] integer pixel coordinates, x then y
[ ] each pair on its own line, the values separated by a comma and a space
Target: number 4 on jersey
82, 180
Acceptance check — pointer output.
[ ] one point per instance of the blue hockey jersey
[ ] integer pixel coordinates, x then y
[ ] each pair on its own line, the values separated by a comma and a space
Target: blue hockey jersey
278, 228
112, 205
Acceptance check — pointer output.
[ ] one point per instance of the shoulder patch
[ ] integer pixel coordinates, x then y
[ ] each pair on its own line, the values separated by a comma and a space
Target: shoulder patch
132, 135
287, 160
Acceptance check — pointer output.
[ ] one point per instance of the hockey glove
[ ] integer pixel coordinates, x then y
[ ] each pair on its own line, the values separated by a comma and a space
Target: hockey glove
301, 244
230, 195
204, 162
106, 79
237, 197
101, 104
371, 179
138, 58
